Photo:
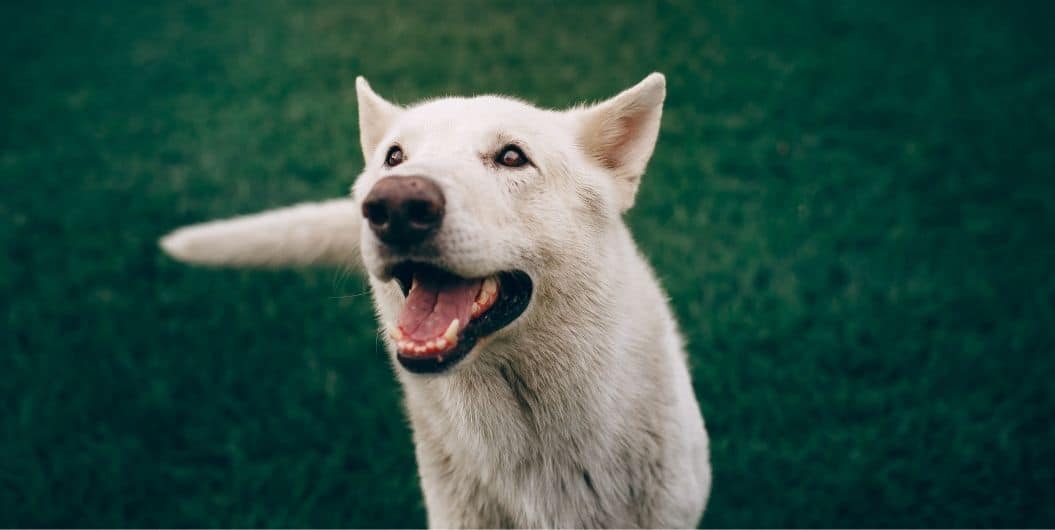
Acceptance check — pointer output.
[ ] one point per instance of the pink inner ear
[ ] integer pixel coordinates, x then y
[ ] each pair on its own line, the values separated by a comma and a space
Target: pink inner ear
629, 128
617, 139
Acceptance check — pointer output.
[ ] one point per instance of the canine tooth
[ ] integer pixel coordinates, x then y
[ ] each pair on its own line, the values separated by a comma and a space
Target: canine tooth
452, 331
396, 334
490, 285
486, 290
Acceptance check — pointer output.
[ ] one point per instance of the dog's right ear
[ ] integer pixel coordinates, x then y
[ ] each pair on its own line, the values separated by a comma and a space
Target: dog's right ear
375, 116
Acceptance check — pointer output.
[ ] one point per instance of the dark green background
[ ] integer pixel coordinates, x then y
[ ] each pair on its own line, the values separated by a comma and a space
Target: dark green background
850, 205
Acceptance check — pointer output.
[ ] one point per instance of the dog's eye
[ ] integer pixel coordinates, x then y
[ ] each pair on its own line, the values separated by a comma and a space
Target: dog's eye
511, 156
394, 156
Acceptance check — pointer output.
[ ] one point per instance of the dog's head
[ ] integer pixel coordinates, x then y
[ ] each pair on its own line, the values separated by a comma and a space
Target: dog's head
473, 205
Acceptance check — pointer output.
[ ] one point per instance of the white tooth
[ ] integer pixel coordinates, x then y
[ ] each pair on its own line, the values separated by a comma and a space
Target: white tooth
431, 345
419, 349
441, 343
476, 309
452, 332
403, 345
396, 334
490, 285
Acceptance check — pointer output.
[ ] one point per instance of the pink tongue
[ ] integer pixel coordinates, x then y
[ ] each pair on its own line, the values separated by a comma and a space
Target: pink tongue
435, 300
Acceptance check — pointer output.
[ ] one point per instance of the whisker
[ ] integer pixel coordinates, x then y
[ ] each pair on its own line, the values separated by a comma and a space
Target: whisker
343, 296
340, 277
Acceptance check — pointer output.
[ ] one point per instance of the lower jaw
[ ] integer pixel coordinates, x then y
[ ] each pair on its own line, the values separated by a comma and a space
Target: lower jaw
434, 364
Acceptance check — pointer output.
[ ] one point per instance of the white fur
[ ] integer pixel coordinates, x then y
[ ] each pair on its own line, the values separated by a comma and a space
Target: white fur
323, 233
580, 413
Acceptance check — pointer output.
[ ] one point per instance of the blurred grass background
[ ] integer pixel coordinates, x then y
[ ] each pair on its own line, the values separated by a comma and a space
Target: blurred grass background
851, 206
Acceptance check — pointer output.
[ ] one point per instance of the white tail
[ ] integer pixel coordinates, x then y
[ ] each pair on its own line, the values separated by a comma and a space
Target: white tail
322, 233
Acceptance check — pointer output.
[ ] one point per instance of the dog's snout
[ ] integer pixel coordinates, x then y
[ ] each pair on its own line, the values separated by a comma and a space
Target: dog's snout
404, 211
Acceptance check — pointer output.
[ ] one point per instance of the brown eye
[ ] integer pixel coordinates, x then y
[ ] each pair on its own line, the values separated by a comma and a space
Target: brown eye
394, 156
511, 156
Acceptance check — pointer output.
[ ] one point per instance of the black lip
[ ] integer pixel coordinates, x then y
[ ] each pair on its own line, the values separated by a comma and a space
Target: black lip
514, 295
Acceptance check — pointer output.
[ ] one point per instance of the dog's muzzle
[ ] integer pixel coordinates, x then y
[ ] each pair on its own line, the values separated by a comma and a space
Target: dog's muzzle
404, 211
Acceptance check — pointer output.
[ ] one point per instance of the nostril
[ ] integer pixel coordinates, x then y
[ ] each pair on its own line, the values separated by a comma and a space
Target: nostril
376, 212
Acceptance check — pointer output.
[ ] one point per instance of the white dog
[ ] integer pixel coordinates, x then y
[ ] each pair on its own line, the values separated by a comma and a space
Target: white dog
543, 372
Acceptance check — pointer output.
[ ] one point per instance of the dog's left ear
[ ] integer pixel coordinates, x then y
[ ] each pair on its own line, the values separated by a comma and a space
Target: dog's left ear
375, 117
621, 133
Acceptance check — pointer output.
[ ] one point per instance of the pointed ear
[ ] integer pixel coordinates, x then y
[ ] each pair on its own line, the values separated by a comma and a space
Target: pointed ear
621, 133
375, 116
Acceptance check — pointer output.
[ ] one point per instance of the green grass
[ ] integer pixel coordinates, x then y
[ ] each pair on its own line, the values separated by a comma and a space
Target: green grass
850, 206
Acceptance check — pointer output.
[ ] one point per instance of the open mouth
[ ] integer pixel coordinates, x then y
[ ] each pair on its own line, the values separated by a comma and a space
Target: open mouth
444, 315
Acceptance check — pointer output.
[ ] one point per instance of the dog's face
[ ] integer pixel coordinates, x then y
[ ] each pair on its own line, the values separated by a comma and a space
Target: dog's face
473, 204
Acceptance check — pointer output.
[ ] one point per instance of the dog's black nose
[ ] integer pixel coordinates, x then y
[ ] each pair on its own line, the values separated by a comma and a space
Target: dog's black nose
403, 211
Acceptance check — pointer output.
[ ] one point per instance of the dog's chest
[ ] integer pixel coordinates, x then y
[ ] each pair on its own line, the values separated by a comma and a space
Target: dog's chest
500, 441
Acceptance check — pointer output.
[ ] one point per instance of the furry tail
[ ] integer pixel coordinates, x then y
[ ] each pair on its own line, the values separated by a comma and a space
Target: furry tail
321, 233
